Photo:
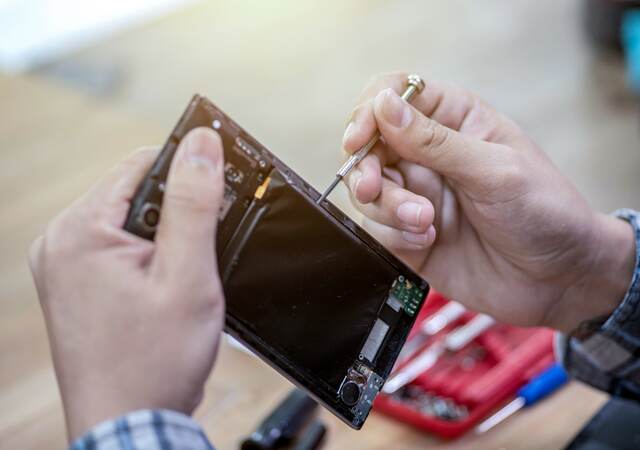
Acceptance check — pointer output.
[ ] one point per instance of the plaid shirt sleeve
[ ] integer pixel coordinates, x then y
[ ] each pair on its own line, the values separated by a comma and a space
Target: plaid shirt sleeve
605, 352
145, 430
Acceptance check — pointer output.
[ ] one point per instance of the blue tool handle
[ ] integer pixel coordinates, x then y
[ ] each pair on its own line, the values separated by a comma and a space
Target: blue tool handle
630, 34
543, 384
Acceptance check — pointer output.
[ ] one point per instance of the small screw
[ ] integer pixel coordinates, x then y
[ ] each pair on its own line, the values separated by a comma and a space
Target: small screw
415, 81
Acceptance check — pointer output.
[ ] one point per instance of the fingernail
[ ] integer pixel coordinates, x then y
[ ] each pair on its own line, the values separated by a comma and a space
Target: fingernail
416, 238
199, 149
354, 180
348, 132
409, 213
395, 110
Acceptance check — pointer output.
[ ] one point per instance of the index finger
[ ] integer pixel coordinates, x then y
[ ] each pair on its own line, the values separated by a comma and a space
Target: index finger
447, 104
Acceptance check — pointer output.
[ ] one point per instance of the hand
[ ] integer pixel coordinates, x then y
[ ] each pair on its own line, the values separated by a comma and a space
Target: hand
461, 194
135, 324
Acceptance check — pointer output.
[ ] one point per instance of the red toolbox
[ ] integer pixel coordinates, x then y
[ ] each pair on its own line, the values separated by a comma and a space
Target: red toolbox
464, 387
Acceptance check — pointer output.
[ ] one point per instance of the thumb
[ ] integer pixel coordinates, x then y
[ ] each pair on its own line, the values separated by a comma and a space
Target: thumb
470, 162
195, 185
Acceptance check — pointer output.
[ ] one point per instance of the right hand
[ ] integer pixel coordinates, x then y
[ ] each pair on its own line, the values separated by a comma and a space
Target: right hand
460, 193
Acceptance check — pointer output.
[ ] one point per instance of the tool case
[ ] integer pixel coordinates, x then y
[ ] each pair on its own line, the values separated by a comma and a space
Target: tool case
465, 387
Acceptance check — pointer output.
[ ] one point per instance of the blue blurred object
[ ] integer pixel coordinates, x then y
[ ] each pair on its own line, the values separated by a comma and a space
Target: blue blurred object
630, 37
543, 384
538, 388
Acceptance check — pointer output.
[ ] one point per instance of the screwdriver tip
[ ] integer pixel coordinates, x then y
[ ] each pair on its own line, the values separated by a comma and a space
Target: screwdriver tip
329, 189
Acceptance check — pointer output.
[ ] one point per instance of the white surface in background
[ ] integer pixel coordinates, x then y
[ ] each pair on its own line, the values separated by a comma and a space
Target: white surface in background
233, 342
34, 32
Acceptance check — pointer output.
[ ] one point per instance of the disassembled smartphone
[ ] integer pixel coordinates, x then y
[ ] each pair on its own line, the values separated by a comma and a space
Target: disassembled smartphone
308, 290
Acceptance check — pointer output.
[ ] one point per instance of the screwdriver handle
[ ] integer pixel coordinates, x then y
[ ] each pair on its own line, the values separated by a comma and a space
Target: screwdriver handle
536, 389
358, 156
446, 315
543, 384
468, 332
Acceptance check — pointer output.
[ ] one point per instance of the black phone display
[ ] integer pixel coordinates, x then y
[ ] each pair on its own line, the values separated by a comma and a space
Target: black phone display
308, 290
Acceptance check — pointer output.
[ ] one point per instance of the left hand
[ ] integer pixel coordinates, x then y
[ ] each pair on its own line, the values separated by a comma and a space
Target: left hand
135, 324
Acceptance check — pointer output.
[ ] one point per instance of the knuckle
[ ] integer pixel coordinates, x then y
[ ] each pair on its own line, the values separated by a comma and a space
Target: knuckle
89, 220
80, 225
394, 198
65, 234
439, 136
434, 139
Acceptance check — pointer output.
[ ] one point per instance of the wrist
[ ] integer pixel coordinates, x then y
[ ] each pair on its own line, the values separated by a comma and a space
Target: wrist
603, 285
84, 413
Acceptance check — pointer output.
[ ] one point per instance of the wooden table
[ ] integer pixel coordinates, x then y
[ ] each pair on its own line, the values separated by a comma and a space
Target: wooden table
54, 143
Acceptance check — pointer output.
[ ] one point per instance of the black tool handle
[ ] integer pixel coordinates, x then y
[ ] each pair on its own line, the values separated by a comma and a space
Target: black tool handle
312, 438
282, 425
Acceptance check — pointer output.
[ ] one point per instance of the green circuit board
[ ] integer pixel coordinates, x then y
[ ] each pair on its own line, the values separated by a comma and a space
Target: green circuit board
409, 294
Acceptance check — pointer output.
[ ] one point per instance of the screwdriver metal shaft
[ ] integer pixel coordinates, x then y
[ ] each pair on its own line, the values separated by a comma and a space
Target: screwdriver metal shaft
414, 85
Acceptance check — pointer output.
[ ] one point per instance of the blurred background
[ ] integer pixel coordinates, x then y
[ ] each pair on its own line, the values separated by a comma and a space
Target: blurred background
84, 83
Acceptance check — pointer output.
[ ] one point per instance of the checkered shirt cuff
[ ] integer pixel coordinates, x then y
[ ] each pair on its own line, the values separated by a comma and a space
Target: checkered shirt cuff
145, 430
605, 352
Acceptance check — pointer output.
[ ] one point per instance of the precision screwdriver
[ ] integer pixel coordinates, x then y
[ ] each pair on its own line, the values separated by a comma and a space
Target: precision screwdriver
414, 85
446, 315
538, 388
452, 342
